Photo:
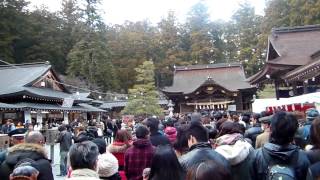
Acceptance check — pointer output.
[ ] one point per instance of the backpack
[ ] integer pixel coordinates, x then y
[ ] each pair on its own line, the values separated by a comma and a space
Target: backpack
281, 172
278, 171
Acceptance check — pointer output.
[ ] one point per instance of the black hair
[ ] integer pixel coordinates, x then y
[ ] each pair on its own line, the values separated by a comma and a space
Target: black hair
181, 143
208, 170
198, 131
142, 132
83, 155
102, 145
246, 119
62, 127
153, 124
165, 165
315, 132
283, 128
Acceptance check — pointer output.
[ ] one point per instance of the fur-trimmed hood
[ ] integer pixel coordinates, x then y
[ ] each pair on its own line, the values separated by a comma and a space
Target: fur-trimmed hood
118, 147
25, 150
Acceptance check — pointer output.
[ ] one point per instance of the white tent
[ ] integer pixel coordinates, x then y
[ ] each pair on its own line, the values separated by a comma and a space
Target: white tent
261, 104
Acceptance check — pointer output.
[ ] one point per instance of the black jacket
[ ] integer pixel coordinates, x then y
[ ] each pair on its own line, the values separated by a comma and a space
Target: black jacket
253, 132
23, 151
202, 152
313, 155
271, 154
158, 139
65, 140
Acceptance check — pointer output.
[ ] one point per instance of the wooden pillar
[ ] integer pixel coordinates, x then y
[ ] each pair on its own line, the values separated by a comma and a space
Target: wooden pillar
239, 101
305, 87
294, 89
276, 85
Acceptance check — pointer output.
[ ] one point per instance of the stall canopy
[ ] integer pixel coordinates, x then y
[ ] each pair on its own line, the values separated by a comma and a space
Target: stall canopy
262, 104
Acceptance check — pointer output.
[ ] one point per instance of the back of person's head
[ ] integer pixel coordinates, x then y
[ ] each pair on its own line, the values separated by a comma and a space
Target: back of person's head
34, 137
123, 136
84, 155
256, 116
181, 143
217, 116
312, 114
84, 136
62, 128
230, 127
102, 145
283, 128
315, 132
142, 132
25, 170
208, 170
165, 164
152, 124
246, 118
195, 117
198, 131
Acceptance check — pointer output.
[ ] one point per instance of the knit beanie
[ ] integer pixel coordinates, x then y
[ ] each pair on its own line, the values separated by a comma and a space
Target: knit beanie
107, 165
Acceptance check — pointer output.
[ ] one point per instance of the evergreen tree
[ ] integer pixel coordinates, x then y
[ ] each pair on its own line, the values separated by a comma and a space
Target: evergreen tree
143, 97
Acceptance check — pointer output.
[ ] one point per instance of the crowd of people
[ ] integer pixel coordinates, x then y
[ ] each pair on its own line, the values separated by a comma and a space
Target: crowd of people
197, 146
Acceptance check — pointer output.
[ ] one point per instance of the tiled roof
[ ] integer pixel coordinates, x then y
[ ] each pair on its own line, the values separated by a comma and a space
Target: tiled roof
296, 46
56, 107
189, 78
113, 104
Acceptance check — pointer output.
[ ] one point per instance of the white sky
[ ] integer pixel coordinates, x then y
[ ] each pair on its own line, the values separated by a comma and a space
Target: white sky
117, 11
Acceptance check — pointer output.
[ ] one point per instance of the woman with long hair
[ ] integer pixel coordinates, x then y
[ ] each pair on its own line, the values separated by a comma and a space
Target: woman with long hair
119, 146
165, 165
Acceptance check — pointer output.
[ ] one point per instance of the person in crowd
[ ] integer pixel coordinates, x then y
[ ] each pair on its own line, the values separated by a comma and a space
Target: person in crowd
139, 156
119, 146
246, 119
156, 137
280, 158
199, 148
181, 144
165, 165
65, 140
170, 131
233, 146
25, 170
314, 152
303, 134
19, 125
9, 126
107, 163
33, 149
264, 137
84, 161
255, 130
208, 170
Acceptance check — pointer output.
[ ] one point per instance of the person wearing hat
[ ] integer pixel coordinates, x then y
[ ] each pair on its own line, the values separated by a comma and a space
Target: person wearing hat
303, 133
264, 137
107, 163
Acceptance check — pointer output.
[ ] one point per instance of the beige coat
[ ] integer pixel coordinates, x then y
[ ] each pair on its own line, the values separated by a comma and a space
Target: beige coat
84, 174
262, 138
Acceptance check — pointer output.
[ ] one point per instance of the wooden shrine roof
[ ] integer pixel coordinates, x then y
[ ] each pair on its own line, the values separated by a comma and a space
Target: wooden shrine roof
187, 79
289, 47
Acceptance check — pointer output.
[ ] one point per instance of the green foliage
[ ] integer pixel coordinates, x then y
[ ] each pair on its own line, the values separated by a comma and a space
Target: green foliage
143, 97
78, 43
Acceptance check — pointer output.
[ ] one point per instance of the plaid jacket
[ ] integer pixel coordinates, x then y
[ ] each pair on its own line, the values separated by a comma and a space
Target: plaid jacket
137, 158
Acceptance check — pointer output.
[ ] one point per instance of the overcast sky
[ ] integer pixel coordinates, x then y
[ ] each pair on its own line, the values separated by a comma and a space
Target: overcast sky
117, 11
